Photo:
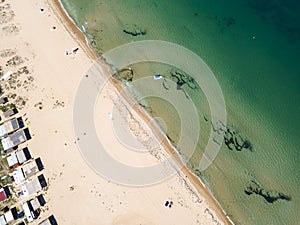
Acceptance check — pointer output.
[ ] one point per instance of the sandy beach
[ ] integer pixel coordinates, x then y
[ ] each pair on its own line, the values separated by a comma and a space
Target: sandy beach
37, 35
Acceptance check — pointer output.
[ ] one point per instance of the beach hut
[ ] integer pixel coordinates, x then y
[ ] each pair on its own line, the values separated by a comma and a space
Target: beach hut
9, 216
3, 195
33, 186
13, 140
37, 202
18, 176
49, 221
23, 155
10, 112
27, 212
3, 100
10, 126
12, 160
2, 220
18, 158
26, 171
32, 207
29, 169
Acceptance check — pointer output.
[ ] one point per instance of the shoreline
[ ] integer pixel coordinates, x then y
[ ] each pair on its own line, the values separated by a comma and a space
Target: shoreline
196, 182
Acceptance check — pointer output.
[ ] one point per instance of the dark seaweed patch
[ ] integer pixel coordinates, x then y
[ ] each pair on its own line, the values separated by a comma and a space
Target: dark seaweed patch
269, 196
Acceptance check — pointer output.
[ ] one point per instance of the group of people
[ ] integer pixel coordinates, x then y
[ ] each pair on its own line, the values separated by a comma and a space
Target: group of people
74, 51
169, 204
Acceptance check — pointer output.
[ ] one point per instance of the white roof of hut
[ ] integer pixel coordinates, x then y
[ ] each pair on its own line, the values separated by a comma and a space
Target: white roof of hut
45, 222
9, 127
12, 159
27, 212
35, 203
13, 140
31, 187
2, 220
30, 169
21, 156
9, 216
18, 176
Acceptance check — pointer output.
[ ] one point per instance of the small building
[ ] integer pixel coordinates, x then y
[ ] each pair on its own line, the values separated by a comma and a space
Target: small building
49, 221
2, 220
26, 171
33, 186
12, 160
23, 155
27, 212
18, 158
18, 176
3, 100
32, 207
13, 140
10, 126
10, 112
3, 195
29, 169
9, 216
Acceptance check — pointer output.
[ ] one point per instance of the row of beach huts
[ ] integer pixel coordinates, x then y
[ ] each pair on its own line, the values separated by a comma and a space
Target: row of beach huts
24, 181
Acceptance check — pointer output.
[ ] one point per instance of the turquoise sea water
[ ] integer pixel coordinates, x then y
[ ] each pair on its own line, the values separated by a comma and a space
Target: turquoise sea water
253, 49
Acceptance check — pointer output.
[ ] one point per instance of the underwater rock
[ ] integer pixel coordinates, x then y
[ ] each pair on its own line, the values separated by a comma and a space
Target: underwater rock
269, 196
182, 78
134, 30
232, 139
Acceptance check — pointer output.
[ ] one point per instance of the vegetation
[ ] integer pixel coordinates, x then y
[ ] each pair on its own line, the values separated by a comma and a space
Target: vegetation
6, 107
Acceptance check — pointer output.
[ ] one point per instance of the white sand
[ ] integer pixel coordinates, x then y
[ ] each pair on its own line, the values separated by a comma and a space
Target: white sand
77, 195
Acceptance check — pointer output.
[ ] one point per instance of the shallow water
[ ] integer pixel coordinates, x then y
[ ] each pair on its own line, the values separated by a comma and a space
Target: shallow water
253, 49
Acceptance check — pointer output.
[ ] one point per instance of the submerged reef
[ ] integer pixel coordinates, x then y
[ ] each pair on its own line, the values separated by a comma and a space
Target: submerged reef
232, 138
269, 196
134, 30
182, 78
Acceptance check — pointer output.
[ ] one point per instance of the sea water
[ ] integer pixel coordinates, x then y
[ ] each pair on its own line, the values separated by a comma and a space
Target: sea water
252, 47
